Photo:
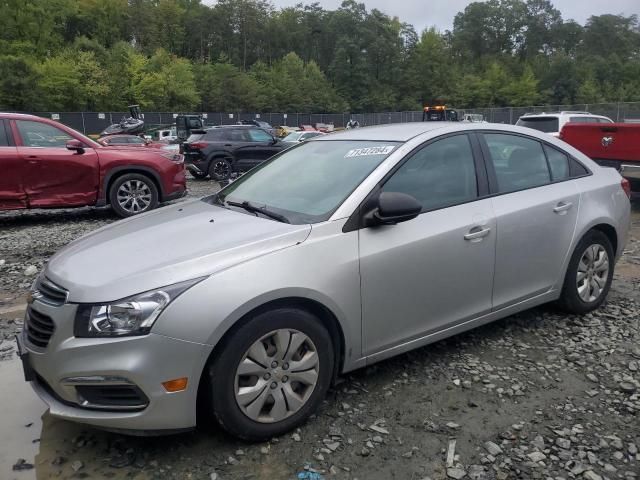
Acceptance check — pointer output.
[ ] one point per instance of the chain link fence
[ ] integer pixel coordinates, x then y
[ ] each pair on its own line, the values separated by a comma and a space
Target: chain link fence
92, 123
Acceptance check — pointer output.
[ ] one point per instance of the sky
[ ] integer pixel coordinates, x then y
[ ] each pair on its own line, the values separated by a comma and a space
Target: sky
439, 13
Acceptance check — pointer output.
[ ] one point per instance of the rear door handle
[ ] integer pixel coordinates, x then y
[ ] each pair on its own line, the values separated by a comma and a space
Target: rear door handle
562, 207
477, 234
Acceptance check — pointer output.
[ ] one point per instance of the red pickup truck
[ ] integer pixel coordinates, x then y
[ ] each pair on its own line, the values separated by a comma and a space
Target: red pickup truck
614, 145
44, 164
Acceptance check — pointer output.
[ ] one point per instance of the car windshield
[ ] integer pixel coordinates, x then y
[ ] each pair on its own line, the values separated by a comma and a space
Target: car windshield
292, 137
306, 184
543, 124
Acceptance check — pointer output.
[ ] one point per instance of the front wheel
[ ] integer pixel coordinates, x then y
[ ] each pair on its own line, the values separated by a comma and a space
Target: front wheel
589, 274
271, 374
132, 194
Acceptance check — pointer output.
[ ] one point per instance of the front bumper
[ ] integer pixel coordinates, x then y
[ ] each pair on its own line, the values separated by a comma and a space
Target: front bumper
144, 361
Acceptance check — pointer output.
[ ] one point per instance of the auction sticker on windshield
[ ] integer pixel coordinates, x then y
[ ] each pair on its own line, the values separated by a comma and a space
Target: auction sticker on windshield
361, 152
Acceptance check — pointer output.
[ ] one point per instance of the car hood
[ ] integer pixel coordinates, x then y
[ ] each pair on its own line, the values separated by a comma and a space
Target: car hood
163, 247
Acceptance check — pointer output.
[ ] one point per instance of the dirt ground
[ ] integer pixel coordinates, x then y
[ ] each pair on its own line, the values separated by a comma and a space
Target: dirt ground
536, 395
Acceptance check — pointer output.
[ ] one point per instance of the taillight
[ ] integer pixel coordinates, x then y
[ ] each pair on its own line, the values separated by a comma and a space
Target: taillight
626, 186
197, 145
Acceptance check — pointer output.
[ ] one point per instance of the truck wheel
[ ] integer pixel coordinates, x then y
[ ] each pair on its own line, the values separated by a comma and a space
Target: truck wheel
271, 374
132, 194
220, 169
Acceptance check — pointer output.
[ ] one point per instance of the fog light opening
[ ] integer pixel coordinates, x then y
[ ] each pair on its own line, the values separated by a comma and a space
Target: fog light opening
175, 385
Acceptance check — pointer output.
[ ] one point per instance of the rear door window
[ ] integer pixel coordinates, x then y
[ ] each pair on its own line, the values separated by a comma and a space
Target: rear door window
215, 135
542, 124
519, 162
238, 135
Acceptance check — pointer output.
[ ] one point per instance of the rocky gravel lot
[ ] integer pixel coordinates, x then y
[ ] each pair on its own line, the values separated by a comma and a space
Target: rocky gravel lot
537, 395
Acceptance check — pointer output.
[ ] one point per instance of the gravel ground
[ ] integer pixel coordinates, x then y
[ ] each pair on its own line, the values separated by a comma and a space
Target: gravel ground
537, 395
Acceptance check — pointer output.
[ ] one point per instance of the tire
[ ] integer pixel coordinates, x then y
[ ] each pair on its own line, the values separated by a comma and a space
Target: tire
253, 413
220, 169
593, 258
133, 193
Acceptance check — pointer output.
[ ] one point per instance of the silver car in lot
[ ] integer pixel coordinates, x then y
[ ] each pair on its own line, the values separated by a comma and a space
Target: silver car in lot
333, 255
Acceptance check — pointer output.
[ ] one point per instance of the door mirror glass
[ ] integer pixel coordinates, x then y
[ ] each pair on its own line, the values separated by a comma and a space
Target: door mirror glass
394, 207
75, 145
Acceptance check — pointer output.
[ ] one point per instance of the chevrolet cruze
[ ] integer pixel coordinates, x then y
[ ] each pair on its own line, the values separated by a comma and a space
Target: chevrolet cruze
332, 255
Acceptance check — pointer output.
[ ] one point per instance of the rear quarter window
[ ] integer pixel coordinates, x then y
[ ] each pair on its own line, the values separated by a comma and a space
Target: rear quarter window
583, 120
542, 124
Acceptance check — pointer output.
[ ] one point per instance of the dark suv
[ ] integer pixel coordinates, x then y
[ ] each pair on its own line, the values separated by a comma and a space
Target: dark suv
220, 151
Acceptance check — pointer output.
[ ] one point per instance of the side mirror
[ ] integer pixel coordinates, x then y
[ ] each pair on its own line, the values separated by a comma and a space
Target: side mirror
394, 207
75, 145
274, 140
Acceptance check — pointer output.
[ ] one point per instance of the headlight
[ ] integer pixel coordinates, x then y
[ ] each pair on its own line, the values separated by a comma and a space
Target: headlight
127, 317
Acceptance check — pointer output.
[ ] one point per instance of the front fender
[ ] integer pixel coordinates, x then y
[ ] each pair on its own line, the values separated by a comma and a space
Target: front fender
206, 312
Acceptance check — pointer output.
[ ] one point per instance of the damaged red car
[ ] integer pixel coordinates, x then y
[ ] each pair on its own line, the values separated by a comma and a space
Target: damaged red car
44, 164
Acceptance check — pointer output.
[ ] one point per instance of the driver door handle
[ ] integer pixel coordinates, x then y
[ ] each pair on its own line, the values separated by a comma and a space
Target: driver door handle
562, 207
477, 234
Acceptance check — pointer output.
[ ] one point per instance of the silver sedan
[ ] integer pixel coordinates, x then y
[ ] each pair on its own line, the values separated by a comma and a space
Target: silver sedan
335, 254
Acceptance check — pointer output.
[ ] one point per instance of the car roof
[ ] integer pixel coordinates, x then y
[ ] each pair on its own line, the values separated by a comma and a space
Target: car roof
21, 115
233, 126
559, 114
397, 132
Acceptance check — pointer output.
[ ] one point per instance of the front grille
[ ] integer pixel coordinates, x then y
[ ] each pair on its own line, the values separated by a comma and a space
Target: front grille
116, 396
39, 328
48, 292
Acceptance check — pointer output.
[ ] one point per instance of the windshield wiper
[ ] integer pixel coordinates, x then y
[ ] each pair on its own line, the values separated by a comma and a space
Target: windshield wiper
249, 207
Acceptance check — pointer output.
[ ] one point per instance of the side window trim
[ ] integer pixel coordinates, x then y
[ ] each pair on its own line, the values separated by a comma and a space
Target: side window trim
355, 220
8, 134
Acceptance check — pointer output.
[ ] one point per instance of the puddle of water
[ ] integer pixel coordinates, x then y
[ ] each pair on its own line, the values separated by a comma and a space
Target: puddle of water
53, 437
20, 407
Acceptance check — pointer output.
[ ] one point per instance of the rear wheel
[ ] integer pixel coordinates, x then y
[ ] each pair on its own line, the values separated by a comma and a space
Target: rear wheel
220, 169
589, 275
271, 374
132, 194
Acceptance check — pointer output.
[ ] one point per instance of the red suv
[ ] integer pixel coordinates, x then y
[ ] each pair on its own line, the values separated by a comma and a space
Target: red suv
44, 164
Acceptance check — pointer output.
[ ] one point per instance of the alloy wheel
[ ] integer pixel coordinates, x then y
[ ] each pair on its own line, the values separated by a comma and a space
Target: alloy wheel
276, 376
134, 196
593, 272
221, 169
